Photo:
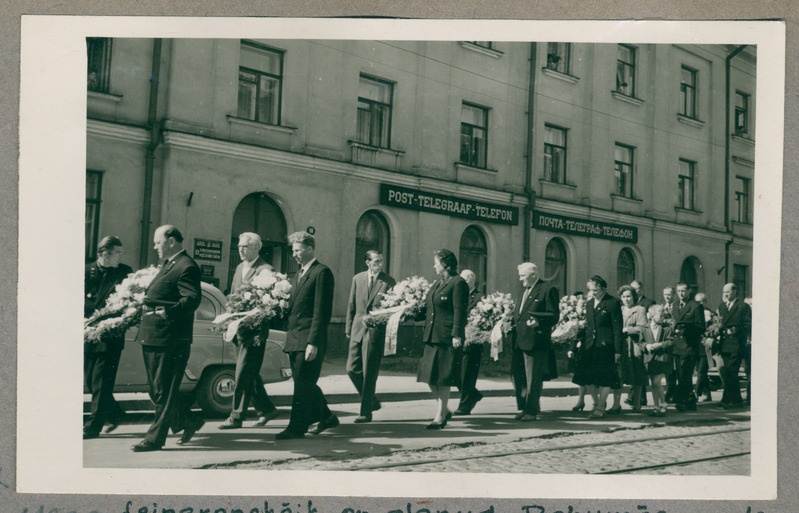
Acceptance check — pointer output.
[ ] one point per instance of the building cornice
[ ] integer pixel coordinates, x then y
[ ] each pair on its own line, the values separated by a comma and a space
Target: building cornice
117, 131
333, 167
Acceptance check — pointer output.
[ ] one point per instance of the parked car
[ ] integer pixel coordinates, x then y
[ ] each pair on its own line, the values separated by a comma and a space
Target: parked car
210, 370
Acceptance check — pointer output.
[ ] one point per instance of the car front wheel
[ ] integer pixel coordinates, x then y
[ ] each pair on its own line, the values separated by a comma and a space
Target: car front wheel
215, 391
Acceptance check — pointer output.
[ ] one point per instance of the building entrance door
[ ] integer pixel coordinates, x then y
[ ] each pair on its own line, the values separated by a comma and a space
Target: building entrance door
260, 214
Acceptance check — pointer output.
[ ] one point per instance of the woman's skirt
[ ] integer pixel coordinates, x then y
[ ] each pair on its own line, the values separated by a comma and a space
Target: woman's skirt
437, 366
597, 366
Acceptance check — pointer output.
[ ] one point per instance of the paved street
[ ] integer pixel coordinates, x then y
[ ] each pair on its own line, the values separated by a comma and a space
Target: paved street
487, 441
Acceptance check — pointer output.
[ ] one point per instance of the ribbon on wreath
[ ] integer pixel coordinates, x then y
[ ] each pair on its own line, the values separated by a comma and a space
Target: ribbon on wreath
233, 327
496, 340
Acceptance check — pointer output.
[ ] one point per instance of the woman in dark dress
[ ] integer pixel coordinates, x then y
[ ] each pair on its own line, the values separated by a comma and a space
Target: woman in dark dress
445, 312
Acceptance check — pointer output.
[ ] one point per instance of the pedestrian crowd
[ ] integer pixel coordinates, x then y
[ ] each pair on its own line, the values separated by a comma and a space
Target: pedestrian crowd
629, 340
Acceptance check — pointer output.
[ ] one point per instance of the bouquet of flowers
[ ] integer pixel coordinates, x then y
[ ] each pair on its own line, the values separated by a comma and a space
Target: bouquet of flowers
571, 321
253, 305
712, 326
490, 320
123, 308
406, 296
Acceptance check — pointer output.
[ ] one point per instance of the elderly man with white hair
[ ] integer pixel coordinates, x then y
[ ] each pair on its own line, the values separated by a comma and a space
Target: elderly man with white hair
470, 355
250, 350
531, 339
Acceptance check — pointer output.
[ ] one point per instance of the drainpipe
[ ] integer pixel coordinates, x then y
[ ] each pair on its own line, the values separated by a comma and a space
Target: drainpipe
528, 179
149, 159
727, 136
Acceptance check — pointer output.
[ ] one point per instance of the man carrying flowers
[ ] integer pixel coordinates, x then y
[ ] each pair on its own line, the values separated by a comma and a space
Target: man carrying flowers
250, 344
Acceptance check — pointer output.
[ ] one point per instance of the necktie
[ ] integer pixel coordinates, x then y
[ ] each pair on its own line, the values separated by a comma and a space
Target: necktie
524, 298
371, 282
682, 304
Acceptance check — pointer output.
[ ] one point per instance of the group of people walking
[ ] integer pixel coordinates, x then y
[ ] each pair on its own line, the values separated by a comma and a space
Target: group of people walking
625, 341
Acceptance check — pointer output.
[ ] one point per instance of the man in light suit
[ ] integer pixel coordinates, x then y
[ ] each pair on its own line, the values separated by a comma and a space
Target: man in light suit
470, 355
165, 333
309, 312
734, 331
250, 353
531, 339
366, 344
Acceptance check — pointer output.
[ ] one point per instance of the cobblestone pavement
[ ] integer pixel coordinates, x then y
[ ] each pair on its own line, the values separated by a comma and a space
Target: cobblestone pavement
623, 450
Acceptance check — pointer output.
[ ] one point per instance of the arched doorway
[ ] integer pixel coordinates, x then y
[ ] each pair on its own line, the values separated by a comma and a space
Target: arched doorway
474, 255
555, 260
372, 233
259, 213
693, 274
625, 268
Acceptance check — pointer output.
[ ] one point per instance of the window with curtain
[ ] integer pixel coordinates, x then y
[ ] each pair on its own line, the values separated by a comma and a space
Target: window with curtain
374, 111
260, 83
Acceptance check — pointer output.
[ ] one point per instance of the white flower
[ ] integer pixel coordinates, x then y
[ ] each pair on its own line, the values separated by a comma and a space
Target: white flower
264, 280
283, 286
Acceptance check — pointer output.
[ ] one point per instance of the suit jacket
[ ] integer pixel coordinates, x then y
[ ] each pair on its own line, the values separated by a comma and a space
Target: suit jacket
445, 311
176, 288
543, 305
310, 309
603, 324
644, 301
665, 337
735, 326
362, 300
238, 279
98, 285
689, 326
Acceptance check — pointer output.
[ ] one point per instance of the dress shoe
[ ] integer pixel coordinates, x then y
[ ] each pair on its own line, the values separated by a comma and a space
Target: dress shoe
145, 446
230, 423
707, 399
190, 430
266, 417
361, 419
463, 411
436, 425
628, 402
657, 413
289, 435
376, 405
579, 406
528, 417
87, 435
323, 425
112, 426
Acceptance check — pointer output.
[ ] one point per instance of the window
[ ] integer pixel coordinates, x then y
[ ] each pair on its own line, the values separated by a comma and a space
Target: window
739, 273
260, 83
625, 70
688, 91
555, 264
99, 64
484, 44
559, 57
371, 233
474, 135
623, 171
474, 255
374, 111
686, 184
94, 186
741, 113
554, 154
625, 267
742, 200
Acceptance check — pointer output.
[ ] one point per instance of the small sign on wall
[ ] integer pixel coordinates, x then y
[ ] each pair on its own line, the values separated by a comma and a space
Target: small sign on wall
208, 271
205, 249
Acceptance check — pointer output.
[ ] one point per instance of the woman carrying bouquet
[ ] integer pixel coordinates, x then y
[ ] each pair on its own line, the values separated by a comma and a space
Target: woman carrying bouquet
445, 312
101, 359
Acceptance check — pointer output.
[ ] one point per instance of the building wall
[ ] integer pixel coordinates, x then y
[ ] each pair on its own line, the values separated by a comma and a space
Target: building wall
207, 160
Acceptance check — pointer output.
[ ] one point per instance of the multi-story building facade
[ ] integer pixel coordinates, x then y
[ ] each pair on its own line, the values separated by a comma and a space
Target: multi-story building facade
628, 161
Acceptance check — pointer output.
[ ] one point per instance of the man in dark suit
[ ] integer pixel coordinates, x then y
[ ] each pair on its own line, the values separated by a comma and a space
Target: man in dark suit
249, 349
689, 326
734, 331
671, 373
470, 355
646, 302
366, 344
101, 359
165, 333
537, 313
309, 312
604, 340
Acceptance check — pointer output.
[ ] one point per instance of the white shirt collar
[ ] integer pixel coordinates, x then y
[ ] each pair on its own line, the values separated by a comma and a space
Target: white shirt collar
307, 266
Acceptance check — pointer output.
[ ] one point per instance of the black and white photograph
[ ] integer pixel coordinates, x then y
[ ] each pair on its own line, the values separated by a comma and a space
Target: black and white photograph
313, 247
